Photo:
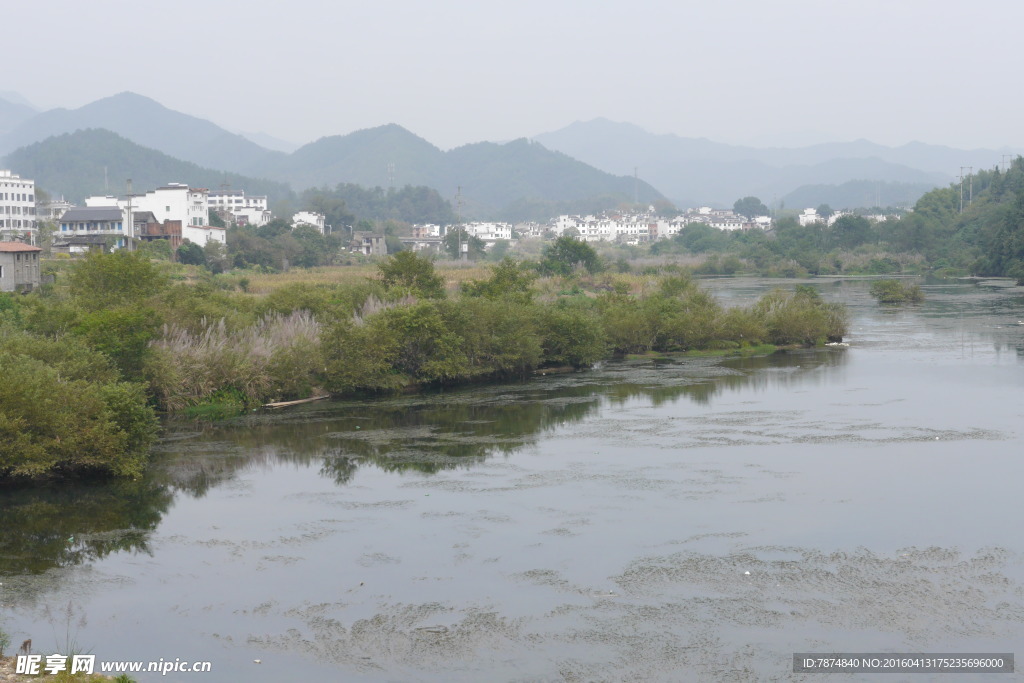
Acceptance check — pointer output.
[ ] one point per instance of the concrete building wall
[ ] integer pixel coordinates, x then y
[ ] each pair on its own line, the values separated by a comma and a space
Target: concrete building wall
18, 267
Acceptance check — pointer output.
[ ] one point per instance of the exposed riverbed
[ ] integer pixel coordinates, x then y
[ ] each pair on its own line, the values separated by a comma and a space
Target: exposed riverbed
692, 519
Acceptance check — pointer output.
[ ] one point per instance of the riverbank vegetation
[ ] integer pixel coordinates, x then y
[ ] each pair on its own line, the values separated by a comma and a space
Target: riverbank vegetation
91, 359
951, 231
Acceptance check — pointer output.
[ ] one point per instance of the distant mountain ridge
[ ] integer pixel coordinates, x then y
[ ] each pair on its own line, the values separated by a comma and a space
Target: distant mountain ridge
697, 170
76, 165
146, 123
13, 114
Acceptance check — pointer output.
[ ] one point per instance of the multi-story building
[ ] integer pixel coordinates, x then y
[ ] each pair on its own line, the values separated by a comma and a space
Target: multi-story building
242, 210
179, 202
17, 208
95, 221
172, 202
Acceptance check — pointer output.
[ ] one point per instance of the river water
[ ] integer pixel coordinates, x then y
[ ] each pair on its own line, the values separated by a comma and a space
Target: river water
691, 519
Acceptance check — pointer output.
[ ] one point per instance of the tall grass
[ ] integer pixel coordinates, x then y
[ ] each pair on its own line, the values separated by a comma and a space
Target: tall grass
278, 357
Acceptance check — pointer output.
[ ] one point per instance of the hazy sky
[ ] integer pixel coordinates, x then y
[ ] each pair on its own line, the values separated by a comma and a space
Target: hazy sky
457, 71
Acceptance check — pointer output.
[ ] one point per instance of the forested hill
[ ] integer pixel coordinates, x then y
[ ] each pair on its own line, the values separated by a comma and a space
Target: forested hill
512, 181
986, 238
75, 164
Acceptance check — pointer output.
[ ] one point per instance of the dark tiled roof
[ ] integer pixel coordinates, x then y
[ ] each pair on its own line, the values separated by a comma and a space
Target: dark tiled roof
93, 213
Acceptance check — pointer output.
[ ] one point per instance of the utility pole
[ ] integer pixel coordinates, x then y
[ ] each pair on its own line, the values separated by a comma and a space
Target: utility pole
961, 176
131, 223
463, 246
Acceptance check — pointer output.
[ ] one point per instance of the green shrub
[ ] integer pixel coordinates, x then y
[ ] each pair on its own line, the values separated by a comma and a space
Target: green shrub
69, 355
627, 326
360, 355
410, 273
572, 335
800, 317
122, 333
500, 337
508, 280
426, 348
52, 425
102, 280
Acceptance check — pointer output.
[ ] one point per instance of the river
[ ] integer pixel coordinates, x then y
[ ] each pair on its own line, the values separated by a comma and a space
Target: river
684, 519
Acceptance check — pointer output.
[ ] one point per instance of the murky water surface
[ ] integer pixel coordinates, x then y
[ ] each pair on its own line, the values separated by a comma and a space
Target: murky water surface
686, 520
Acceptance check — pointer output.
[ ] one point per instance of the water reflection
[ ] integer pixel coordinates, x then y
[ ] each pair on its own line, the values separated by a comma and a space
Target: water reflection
429, 433
48, 527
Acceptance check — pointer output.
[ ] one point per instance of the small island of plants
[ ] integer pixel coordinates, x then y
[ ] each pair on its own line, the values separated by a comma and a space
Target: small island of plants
891, 291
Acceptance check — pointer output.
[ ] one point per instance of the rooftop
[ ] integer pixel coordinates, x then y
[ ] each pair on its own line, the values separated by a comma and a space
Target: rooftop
17, 246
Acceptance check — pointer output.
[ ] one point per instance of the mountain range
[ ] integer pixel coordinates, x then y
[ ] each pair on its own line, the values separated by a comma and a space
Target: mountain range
696, 170
76, 152
584, 166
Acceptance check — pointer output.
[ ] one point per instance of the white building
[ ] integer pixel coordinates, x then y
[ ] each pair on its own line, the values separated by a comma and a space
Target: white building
310, 218
489, 232
810, 216
251, 210
174, 202
17, 207
179, 202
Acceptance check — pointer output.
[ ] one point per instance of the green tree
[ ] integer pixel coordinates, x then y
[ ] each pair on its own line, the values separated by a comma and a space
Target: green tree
850, 231
454, 239
411, 272
215, 256
191, 254
315, 248
104, 280
750, 207
561, 257
509, 280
